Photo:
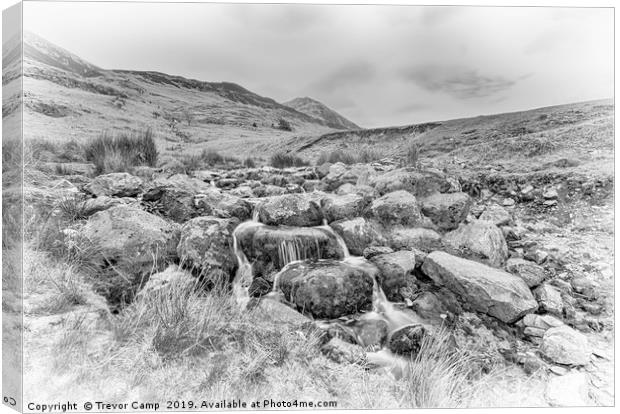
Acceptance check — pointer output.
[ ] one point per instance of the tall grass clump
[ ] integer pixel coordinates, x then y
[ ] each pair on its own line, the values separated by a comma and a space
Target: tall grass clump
363, 155
283, 160
413, 155
122, 152
439, 376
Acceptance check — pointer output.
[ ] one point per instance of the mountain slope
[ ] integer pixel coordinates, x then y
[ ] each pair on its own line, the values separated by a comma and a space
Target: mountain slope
319, 111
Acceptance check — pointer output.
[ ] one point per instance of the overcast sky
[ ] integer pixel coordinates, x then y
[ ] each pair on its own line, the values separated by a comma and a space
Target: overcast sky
376, 65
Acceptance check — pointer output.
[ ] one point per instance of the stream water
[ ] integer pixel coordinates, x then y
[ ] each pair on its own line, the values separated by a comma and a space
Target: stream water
294, 251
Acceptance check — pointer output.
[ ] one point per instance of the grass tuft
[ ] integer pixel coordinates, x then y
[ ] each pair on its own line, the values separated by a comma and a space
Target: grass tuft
121, 153
284, 160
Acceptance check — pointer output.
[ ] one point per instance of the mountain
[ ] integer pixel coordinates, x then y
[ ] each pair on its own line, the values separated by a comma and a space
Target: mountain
319, 111
67, 97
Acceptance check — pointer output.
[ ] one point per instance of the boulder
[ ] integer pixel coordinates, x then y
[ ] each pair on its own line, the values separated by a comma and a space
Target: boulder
399, 207
115, 185
290, 210
370, 333
543, 322
269, 191
358, 234
550, 299
97, 204
426, 240
531, 273
482, 238
219, 204
174, 203
206, 247
343, 206
327, 288
497, 215
185, 183
407, 340
418, 183
340, 174
394, 271
343, 352
446, 210
129, 242
564, 345
485, 289
172, 277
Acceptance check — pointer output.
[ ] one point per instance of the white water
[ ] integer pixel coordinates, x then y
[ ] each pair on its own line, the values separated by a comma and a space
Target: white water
341, 243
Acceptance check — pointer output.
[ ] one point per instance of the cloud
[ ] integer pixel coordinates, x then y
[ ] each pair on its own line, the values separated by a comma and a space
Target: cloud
458, 81
352, 73
412, 107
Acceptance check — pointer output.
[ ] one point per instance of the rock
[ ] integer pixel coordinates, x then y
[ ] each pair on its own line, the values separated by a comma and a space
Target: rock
394, 271
373, 251
311, 185
486, 289
370, 333
550, 203
343, 352
259, 287
418, 183
358, 234
172, 276
497, 215
426, 240
508, 202
531, 273
481, 238
535, 332
129, 241
271, 248
428, 306
542, 322
407, 340
94, 205
586, 287
550, 299
268, 191
279, 314
570, 390
206, 247
185, 183
115, 185
564, 345
343, 207
174, 203
327, 289
446, 210
216, 203
340, 174
290, 210
536, 255
550, 194
399, 207
243, 191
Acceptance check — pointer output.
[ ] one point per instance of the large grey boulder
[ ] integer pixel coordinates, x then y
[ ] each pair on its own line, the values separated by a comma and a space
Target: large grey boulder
343, 206
115, 185
531, 273
358, 234
482, 238
206, 247
550, 299
496, 214
395, 270
327, 289
290, 210
399, 207
564, 345
419, 183
486, 289
447, 210
216, 203
426, 240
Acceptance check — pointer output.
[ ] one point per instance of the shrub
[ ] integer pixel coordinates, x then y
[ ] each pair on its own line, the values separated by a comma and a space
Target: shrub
249, 163
284, 125
211, 157
364, 155
120, 153
413, 155
283, 160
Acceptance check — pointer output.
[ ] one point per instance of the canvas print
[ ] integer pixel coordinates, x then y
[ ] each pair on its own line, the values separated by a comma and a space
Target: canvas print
218, 206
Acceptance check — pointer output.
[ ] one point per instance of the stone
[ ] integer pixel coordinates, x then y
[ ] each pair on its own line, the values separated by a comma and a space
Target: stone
418, 183
223, 205
570, 390
327, 289
115, 185
531, 273
550, 299
536, 255
481, 238
173, 276
206, 247
394, 271
497, 215
372, 251
370, 333
428, 306
271, 311
130, 239
268, 191
486, 289
97, 204
407, 340
358, 234
446, 210
399, 207
343, 352
550, 194
543, 322
564, 345
290, 210
426, 240
343, 207
586, 287
508, 202
259, 287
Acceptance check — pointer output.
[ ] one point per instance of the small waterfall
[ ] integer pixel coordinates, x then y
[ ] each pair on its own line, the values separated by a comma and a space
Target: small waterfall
255, 215
243, 277
212, 183
341, 243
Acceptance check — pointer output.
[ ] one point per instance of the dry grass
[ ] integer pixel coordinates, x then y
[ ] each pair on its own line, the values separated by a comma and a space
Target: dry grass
122, 152
363, 155
284, 160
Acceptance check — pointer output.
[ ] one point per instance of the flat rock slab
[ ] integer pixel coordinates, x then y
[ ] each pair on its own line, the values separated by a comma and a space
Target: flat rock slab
565, 345
486, 289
